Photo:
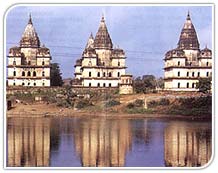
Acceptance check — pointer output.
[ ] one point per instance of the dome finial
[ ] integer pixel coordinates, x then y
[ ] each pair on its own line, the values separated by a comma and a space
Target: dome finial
102, 17
188, 16
30, 19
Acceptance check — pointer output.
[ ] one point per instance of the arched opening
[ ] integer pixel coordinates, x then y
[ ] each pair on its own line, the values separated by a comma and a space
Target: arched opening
207, 64
98, 74
118, 63
110, 74
118, 74
104, 74
193, 85
178, 73
178, 63
34, 84
193, 74
98, 84
23, 73
90, 84
43, 73
187, 85
23, 83
109, 84
187, 74
207, 74
179, 85
28, 73
14, 73
43, 62
34, 73
14, 62
198, 74
104, 85
90, 74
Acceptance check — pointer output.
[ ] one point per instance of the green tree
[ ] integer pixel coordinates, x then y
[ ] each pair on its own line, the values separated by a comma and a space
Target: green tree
145, 84
204, 85
56, 79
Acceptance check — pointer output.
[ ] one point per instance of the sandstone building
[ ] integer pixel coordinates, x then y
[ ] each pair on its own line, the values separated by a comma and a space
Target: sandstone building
101, 65
29, 63
185, 64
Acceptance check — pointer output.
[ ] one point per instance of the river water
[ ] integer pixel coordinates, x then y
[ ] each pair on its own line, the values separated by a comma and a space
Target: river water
76, 142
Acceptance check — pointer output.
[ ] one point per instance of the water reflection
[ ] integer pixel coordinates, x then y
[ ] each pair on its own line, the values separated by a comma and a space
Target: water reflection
102, 142
105, 142
28, 142
187, 144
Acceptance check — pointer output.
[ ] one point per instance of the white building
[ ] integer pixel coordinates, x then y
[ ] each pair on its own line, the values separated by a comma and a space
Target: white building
185, 64
29, 64
101, 65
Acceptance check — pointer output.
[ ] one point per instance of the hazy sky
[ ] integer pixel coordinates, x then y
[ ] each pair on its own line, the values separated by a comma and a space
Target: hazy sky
144, 32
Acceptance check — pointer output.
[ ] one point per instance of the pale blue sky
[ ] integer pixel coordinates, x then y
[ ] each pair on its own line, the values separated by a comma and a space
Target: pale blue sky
144, 32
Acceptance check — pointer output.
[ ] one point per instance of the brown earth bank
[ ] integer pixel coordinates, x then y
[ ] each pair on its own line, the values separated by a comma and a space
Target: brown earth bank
51, 110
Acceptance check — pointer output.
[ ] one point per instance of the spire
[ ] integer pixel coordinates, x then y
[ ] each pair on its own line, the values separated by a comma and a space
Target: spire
188, 16
188, 38
102, 38
30, 19
90, 42
30, 37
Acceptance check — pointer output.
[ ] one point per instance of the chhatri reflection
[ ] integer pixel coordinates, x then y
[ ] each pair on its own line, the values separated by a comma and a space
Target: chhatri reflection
101, 142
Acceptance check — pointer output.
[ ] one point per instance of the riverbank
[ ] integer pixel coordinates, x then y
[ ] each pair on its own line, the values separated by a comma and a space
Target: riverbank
51, 110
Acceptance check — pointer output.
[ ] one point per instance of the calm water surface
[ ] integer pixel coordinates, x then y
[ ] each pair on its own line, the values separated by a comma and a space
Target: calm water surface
76, 142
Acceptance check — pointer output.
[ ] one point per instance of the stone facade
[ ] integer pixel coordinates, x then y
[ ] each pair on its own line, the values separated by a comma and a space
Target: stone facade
126, 84
101, 65
29, 64
185, 64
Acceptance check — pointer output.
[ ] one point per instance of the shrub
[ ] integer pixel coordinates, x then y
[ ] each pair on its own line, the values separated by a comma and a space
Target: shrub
164, 102
82, 104
111, 103
139, 103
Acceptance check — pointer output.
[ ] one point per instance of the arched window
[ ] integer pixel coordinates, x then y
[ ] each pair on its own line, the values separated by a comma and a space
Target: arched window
193, 85
23, 73
178, 63
28, 83
43, 73
103, 63
104, 74
207, 64
43, 84
179, 85
207, 74
193, 74
90, 84
98, 74
178, 73
43, 62
109, 74
98, 84
90, 74
23, 83
198, 74
34, 73
28, 73
118, 63
34, 84
118, 74
104, 85
187, 85
14, 73
187, 74
14, 84
14, 62
29, 62
109, 84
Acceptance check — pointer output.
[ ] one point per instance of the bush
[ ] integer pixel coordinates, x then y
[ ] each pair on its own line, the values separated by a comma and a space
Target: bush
164, 102
130, 105
139, 103
111, 103
82, 104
